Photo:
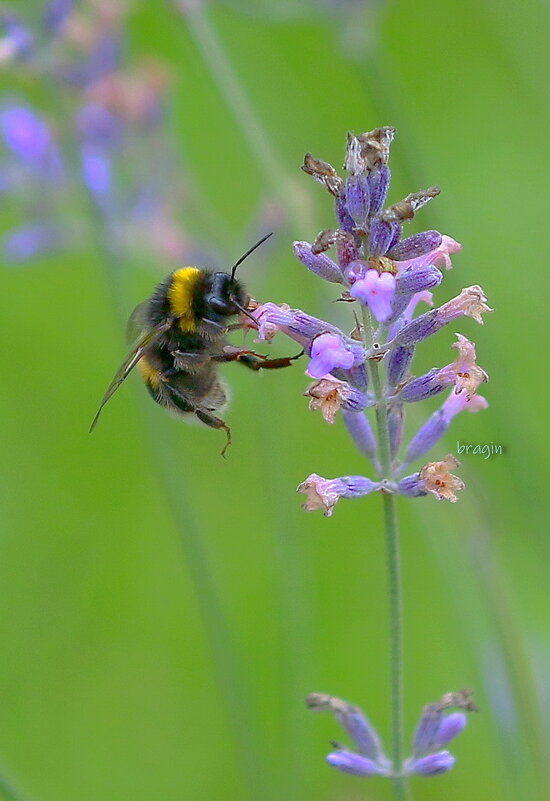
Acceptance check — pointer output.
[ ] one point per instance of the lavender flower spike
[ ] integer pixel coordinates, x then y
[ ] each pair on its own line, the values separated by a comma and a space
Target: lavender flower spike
389, 274
324, 493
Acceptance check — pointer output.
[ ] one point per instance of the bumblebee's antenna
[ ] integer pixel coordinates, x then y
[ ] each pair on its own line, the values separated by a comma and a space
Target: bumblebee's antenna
248, 252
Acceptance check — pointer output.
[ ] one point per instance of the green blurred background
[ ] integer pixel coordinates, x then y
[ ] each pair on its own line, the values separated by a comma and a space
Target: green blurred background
165, 611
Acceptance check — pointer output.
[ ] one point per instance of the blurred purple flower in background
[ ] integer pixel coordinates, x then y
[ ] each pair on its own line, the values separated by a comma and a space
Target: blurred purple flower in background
110, 141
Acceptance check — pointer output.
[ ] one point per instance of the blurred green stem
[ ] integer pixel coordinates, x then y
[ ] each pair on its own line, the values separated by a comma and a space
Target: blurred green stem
216, 58
229, 668
401, 788
7, 792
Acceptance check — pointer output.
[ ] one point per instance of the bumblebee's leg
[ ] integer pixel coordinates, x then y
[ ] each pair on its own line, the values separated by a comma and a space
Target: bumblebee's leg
215, 422
184, 404
255, 361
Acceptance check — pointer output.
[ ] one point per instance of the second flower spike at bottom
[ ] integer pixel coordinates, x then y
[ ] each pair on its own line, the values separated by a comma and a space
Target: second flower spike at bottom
436, 728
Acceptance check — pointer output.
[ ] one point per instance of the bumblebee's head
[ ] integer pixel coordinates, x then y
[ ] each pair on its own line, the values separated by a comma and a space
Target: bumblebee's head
226, 295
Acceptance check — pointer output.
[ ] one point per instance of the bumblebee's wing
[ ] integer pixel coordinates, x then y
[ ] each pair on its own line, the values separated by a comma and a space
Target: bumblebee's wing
137, 322
146, 339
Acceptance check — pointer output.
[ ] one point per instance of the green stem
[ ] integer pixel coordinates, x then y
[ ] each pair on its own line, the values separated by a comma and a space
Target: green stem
401, 789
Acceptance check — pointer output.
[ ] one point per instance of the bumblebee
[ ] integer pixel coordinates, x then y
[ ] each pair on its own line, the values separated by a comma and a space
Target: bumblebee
180, 335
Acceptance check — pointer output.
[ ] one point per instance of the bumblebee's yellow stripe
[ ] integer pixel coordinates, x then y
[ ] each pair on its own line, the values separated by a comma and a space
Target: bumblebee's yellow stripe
149, 373
180, 295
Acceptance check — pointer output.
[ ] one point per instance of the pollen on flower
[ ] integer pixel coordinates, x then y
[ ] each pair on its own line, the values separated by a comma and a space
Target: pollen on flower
468, 374
266, 327
375, 290
327, 395
438, 479
321, 494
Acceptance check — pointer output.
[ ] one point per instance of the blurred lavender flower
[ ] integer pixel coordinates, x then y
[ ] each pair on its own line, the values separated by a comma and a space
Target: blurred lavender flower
30, 140
16, 39
56, 13
28, 242
127, 165
435, 730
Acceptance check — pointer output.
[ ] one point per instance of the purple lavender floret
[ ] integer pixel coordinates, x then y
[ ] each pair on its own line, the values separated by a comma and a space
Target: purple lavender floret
30, 139
433, 765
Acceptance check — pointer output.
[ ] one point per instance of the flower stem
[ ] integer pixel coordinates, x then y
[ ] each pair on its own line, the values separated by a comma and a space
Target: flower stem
401, 789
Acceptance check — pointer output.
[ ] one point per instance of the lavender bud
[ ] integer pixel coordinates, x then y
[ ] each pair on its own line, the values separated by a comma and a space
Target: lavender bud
345, 220
357, 376
396, 235
414, 246
425, 386
379, 237
352, 719
361, 732
427, 729
399, 303
418, 280
412, 486
424, 440
399, 360
450, 727
361, 433
347, 251
379, 183
396, 424
433, 765
354, 764
420, 328
358, 198
318, 263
